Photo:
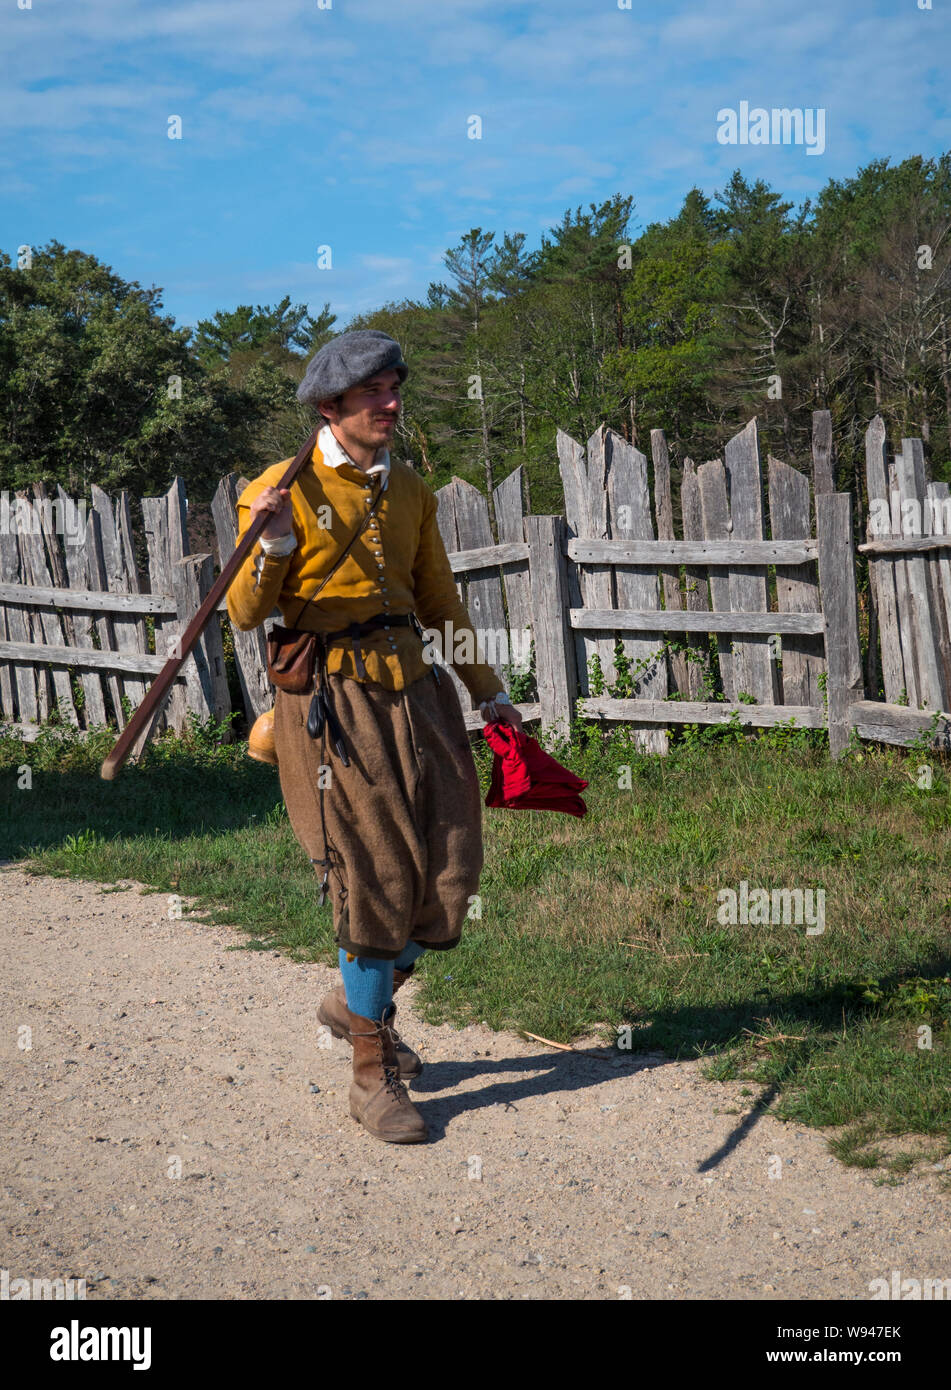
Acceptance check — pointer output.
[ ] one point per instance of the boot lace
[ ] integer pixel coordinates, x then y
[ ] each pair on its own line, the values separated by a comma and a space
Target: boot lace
393, 1082
392, 1072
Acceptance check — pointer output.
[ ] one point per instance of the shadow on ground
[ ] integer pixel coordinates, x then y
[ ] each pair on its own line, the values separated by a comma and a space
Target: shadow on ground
176, 802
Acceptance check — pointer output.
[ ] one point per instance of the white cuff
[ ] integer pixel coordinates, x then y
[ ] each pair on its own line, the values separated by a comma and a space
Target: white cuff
279, 545
500, 699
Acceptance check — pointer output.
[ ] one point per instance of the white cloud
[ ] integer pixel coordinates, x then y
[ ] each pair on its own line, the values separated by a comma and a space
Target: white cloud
350, 122
390, 264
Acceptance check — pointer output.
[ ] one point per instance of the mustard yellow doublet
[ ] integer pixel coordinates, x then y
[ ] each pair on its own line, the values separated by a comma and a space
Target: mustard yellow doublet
399, 565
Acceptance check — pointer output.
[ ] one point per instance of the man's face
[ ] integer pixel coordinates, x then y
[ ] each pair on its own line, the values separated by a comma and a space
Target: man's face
368, 412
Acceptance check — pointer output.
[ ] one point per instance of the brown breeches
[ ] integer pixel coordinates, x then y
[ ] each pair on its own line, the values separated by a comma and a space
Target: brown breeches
403, 821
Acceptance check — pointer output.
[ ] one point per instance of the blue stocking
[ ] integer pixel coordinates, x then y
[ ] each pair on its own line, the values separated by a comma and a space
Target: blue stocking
411, 952
369, 985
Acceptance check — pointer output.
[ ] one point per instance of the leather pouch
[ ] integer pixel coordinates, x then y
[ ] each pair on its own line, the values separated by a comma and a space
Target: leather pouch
291, 658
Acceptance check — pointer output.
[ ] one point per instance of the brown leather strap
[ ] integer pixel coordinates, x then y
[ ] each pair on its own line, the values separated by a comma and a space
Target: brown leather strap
370, 625
344, 553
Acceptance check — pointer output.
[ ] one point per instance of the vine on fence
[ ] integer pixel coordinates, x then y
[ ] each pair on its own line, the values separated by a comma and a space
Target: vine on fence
784, 735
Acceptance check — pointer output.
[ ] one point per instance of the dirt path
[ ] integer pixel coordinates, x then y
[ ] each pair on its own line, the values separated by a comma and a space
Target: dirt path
152, 1042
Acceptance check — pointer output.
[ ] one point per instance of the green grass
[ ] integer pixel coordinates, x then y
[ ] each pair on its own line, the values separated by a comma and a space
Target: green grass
587, 926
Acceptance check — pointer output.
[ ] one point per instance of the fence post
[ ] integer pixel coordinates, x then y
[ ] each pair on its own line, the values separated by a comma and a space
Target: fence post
823, 469
250, 648
17, 630
839, 608
556, 672
166, 536
206, 683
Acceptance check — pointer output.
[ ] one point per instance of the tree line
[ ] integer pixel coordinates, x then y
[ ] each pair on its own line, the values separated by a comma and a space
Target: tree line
742, 304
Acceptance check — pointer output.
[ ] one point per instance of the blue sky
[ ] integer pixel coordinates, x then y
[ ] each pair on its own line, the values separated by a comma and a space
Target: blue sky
347, 126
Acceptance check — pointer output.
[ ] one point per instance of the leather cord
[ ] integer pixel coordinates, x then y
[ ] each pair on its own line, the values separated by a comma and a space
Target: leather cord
346, 551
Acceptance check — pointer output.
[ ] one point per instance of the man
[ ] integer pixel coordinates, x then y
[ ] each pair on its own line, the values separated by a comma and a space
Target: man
395, 826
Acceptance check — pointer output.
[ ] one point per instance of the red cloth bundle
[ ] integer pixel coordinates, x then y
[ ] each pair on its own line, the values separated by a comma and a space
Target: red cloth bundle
525, 777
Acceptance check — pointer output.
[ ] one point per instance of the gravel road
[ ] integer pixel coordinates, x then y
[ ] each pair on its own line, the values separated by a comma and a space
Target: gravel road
176, 1129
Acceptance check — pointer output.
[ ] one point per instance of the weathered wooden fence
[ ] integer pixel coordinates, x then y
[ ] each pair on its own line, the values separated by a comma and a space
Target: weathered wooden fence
743, 607
81, 607
909, 555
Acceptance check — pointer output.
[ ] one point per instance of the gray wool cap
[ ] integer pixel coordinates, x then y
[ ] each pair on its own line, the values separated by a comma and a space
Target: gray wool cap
347, 360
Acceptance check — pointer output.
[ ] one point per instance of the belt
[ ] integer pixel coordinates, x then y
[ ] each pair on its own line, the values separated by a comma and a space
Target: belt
357, 630
380, 620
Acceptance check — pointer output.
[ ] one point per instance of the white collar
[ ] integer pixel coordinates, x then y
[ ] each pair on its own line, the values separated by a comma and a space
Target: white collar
335, 454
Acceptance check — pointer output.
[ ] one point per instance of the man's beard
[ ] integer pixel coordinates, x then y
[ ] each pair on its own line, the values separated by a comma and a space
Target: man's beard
373, 441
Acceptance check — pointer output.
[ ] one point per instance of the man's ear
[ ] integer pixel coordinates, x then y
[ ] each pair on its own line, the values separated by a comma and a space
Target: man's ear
334, 407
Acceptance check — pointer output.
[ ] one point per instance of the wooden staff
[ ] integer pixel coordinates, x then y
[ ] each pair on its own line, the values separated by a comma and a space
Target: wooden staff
162, 684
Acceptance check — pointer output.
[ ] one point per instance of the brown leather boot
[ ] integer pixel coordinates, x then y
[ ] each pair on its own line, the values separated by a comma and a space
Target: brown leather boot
378, 1098
333, 1012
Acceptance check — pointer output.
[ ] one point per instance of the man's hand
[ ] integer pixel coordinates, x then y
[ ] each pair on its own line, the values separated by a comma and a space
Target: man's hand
497, 712
269, 499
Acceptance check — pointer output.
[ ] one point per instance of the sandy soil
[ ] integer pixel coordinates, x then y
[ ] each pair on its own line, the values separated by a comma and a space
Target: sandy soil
157, 1051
